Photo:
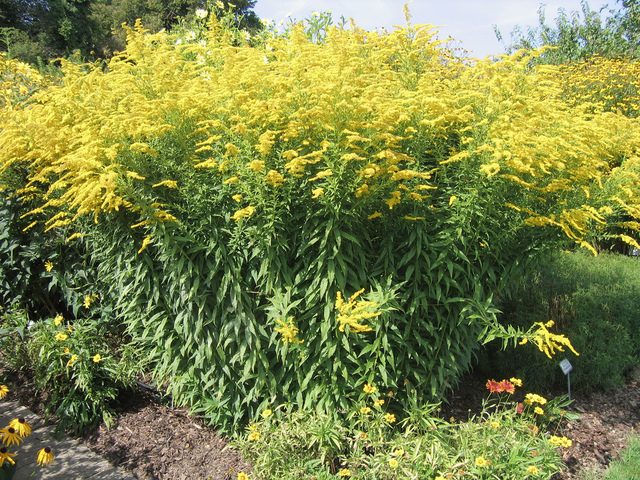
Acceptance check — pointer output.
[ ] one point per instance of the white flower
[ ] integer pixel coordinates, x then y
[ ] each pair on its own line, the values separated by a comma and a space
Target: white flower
179, 41
191, 35
201, 13
219, 4
315, 14
288, 14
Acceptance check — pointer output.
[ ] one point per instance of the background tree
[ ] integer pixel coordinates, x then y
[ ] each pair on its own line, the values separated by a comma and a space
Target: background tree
47, 29
580, 35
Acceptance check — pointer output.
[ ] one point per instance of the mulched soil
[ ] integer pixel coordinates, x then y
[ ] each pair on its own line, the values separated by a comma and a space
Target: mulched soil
155, 441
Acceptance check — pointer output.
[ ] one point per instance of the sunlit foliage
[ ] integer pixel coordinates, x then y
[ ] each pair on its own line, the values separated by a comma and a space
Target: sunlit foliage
229, 185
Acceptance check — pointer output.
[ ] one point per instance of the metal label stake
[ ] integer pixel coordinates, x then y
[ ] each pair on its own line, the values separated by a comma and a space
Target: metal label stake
566, 367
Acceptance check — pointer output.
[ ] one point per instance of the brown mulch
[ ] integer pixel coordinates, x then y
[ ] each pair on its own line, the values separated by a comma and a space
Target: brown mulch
155, 441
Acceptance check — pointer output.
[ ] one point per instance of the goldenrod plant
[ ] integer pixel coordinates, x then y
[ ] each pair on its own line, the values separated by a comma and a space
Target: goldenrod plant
209, 176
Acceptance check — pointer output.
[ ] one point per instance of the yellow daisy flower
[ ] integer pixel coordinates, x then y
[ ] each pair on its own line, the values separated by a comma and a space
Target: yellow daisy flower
45, 456
21, 426
10, 436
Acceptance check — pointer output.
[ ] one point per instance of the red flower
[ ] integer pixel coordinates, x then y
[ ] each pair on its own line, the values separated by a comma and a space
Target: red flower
493, 386
507, 386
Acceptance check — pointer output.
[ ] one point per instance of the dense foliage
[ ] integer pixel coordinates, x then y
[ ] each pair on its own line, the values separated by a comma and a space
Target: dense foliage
579, 36
287, 221
595, 301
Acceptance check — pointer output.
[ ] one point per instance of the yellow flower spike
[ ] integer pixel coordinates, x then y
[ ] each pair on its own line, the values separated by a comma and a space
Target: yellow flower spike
352, 312
243, 213
316, 192
548, 342
289, 332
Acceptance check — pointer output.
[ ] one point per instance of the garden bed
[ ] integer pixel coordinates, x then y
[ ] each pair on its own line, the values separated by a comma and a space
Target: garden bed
155, 441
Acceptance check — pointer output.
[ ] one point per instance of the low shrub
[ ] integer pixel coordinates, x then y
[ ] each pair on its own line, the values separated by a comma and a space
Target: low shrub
79, 366
593, 300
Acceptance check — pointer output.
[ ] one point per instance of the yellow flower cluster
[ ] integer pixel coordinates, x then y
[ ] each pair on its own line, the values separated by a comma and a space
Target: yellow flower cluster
382, 116
352, 312
289, 332
548, 342
560, 441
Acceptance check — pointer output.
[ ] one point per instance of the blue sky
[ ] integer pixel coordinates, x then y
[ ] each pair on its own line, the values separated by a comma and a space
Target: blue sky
468, 21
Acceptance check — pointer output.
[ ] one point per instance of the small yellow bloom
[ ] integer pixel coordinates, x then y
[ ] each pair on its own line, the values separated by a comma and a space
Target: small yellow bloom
61, 336
369, 388
390, 417
72, 360
58, 320
253, 427
374, 215
539, 411
66, 350
253, 436
452, 199
345, 472
267, 413
316, 192
237, 197
398, 452
482, 462
365, 410
379, 402
495, 425
48, 266
45, 456
393, 463
533, 470
96, 358
516, 381
3, 391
